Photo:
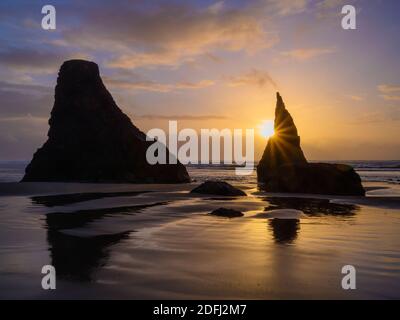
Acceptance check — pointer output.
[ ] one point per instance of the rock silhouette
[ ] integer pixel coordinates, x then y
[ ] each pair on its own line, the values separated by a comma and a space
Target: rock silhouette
220, 188
91, 140
284, 146
284, 168
227, 213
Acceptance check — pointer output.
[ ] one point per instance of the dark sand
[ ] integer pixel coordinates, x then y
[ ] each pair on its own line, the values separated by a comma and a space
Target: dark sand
158, 241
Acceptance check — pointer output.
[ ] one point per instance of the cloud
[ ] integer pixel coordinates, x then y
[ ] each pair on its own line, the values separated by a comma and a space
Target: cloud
28, 118
168, 34
194, 85
330, 9
381, 116
390, 97
388, 88
356, 98
287, 7
21, 136
330, 4
216, 7
23, 88
30, 60
389, 92
24, 99
181, 117
307, 53
253, 78
23, 58
156, 86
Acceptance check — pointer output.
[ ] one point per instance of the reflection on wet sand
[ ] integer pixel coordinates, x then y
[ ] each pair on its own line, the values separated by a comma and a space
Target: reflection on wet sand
77, 257
76, 219
311, 206
64, 199
285, 231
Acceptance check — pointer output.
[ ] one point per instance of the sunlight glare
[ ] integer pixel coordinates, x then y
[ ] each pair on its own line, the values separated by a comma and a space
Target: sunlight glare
267, 128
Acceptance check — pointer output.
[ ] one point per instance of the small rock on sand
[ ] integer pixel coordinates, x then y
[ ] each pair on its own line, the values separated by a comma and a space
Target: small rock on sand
228, 213
221, 188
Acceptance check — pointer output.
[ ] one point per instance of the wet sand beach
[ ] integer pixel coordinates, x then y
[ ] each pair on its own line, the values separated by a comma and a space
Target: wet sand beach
158, 241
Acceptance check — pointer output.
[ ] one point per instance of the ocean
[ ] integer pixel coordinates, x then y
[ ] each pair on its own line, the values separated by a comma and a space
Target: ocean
379, 171
140, 241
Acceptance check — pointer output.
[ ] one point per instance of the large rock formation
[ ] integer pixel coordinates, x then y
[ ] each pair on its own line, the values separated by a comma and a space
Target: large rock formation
283, 167
91, 139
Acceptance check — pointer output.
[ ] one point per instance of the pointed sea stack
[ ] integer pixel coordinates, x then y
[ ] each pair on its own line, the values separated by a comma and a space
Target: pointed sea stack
284, 168
91, 140
284, 146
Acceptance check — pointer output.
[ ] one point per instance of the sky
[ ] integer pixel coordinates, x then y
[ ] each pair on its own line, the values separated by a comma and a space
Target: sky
213, 64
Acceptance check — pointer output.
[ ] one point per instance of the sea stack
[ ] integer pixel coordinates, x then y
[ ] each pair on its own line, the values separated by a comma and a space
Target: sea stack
284, 146
91, 140
284, 168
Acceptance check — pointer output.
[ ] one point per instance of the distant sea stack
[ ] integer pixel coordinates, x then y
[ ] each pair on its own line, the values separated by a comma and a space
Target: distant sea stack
284, 168
91, 140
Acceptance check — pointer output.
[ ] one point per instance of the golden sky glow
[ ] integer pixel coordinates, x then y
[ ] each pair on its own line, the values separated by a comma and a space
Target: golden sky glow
266, 128
215, 64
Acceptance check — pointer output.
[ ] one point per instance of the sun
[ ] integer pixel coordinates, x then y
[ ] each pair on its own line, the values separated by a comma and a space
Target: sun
267, 128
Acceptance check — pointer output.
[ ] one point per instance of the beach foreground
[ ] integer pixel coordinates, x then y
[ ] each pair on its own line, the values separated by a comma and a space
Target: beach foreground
158, 241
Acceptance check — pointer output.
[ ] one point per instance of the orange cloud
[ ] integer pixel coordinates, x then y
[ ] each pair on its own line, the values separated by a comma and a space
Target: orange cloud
170, 34
389, 92
254, 77
157, 86
307, 53
286, 7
